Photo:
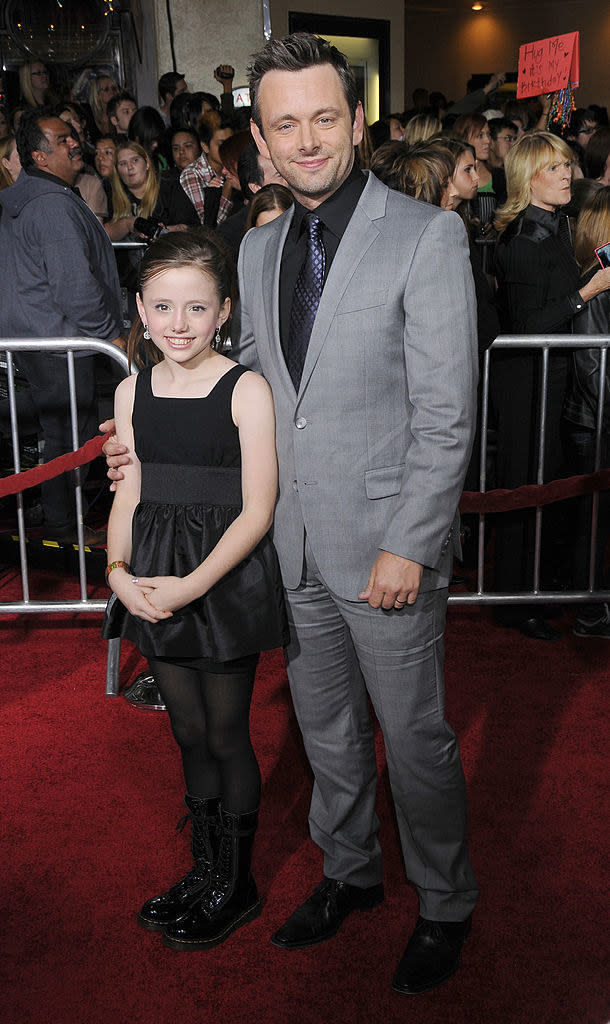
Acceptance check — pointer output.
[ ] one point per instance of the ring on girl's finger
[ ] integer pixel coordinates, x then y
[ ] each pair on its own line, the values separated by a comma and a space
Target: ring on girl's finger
135, 579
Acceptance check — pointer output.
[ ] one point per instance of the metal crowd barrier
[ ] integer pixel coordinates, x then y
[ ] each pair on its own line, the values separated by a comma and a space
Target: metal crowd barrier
85, 604
545, 343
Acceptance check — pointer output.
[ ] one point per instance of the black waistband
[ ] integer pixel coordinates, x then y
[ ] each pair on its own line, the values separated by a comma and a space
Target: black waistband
189, 485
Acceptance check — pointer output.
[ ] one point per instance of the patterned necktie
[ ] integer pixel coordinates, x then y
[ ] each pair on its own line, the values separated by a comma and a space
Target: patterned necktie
306, 299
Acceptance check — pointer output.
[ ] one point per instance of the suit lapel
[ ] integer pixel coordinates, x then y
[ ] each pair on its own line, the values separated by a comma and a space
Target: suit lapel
272, 260
359, 235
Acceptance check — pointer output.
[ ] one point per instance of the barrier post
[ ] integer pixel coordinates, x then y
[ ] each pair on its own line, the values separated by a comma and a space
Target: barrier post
26, 606
546, 343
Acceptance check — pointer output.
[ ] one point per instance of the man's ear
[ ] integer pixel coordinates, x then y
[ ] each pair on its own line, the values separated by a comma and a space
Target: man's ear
358, 125
254, 187
39, 157
261, 145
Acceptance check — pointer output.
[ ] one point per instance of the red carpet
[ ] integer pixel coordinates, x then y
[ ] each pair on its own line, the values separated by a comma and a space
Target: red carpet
92, 793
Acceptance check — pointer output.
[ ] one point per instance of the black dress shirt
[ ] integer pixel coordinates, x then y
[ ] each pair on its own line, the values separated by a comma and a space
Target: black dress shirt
335, 214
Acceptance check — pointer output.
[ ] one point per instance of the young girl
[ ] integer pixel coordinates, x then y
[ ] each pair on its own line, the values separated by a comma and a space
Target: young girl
195, 576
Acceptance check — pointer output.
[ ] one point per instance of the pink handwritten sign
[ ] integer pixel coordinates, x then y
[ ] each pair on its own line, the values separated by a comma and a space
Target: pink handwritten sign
548, 65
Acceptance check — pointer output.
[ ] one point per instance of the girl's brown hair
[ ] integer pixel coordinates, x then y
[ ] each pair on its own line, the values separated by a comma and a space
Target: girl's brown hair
422, 171
5, 148
269, 197
592, 228
466, 126
199, 248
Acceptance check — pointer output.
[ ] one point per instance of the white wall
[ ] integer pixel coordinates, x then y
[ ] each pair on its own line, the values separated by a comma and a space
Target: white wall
207, 34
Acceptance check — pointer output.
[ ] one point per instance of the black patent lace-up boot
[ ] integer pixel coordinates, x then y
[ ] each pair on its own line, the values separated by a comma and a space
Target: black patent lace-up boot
231, 899
160, 911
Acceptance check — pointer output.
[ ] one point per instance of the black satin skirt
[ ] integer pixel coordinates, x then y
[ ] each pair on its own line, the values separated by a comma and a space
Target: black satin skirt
241, 614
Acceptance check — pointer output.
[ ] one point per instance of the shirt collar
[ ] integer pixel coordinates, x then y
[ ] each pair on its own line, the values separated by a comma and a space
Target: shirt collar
550, 219
47, 176
336, 211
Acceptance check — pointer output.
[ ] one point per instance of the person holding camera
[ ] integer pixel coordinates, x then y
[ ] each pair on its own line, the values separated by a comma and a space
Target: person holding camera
144, 202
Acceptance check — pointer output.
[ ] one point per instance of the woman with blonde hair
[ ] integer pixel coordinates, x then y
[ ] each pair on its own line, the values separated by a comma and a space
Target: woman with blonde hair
34, 83
101, 89
139, 194
539, 292
421, 127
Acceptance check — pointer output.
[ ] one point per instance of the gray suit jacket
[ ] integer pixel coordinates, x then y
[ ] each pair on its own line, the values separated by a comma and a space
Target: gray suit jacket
373, 449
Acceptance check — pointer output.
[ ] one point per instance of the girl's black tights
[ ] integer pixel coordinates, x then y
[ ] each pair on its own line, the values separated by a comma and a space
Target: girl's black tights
209, 714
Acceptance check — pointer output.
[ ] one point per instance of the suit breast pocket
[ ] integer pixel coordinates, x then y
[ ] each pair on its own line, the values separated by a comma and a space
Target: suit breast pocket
356, 301
382, 483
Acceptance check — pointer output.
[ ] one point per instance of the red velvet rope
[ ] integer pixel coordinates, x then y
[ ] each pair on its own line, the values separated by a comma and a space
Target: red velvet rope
534, 495
39, 474
530, 496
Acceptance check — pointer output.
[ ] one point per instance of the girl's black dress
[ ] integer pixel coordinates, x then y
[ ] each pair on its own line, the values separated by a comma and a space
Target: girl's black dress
190, 494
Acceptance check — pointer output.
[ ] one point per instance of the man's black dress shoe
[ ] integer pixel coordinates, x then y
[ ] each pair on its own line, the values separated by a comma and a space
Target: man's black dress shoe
432, 955
538, 629
323, 913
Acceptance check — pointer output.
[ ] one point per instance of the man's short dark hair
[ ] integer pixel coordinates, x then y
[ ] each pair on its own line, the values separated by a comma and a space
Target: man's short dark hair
249, 170
297, 52
121, 97
168, 83
499, 124
208, 128
30, 135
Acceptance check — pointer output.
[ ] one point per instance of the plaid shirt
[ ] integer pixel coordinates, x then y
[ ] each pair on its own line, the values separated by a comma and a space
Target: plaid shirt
194, 180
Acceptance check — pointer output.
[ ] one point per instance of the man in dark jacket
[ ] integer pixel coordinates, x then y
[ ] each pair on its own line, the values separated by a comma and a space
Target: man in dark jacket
59, 280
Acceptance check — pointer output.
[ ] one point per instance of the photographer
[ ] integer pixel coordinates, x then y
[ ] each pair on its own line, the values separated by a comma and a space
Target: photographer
140, 194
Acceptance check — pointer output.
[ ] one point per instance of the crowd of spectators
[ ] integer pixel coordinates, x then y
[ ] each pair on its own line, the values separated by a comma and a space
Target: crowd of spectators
192, 161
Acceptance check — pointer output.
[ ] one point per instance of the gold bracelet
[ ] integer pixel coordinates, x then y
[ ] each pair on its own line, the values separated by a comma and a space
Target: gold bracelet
116, 565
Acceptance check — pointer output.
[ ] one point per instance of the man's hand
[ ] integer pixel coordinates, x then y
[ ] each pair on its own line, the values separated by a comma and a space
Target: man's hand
393, 583
117, 455
165, 593
224, 74
495, 82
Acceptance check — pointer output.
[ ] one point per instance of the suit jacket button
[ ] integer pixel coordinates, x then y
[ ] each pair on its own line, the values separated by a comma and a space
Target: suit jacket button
300, 423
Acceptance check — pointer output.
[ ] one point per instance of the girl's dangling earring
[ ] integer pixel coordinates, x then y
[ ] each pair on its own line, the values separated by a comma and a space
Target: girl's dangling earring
146, 333
217, 339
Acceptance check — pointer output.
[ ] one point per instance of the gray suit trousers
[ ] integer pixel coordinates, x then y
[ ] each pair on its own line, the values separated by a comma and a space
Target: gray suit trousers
340, 653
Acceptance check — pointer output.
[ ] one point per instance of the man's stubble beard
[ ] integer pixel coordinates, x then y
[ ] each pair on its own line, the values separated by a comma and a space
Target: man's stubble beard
319, 190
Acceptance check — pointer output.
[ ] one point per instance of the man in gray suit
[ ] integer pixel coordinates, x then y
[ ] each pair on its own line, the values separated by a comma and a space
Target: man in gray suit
358, 307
